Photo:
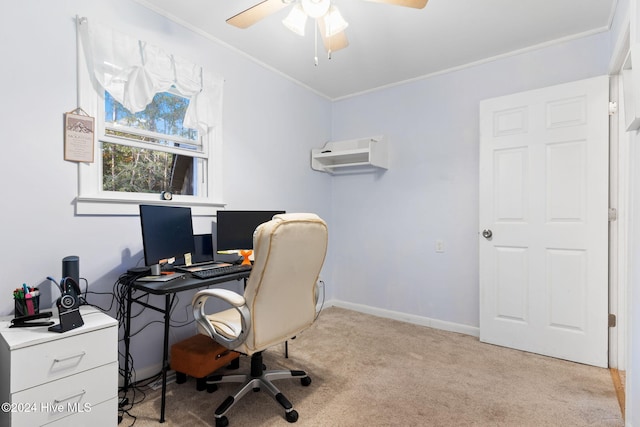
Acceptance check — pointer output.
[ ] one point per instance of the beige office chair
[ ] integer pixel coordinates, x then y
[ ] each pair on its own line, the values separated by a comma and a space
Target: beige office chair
279, 302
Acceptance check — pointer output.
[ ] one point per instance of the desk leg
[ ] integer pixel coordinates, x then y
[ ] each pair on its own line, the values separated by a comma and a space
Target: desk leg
165, 353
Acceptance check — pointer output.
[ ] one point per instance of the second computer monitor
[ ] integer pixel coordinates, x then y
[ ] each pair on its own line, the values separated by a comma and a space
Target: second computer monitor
235, 228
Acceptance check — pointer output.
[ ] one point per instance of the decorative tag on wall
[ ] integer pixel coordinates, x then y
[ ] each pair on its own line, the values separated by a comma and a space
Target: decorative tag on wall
79, 129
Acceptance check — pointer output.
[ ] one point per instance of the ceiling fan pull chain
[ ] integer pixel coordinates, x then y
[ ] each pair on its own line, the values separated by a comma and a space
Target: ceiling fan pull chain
315, 46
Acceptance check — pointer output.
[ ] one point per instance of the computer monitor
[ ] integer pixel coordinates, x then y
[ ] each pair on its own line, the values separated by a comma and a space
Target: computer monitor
167, 232
203, 248
235, 230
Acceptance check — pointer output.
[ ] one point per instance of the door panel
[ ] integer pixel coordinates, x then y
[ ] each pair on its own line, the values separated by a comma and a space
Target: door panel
512, 283
544, 196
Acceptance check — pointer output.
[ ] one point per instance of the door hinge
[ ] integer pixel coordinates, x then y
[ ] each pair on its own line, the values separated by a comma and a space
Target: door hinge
612, 320
613, 107
613, 214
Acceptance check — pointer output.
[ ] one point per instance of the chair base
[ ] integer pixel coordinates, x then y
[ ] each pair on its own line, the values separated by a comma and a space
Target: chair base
258, 379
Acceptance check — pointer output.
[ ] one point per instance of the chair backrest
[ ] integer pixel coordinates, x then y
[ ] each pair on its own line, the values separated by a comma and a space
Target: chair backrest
289, 252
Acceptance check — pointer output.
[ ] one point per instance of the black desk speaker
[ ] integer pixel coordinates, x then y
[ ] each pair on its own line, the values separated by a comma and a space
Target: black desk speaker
71, 268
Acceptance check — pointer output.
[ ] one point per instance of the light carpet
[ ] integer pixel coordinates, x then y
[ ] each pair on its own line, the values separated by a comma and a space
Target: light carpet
371, 371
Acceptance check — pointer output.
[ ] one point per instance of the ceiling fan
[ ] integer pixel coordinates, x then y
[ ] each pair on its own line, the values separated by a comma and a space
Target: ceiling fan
330, 22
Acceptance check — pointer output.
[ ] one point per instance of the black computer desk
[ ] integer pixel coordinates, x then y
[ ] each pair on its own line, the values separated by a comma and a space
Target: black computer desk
169, 290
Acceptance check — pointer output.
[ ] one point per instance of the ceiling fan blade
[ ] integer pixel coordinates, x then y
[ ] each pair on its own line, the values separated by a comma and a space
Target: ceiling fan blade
417, 4
334, 43
255, 13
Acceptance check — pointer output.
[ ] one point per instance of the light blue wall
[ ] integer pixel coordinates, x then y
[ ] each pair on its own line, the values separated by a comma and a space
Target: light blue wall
385, 225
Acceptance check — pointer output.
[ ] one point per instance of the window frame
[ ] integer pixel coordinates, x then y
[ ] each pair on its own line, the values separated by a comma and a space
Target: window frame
93, 200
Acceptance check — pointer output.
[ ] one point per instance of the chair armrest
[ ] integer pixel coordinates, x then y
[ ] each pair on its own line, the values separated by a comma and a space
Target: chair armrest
236, 301
230, 297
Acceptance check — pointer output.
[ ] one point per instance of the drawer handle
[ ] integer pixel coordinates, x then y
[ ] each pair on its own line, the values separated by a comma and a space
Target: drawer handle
75, 356
64, 399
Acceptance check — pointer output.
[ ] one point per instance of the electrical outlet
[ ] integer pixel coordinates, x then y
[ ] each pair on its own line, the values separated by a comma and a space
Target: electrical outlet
439, 246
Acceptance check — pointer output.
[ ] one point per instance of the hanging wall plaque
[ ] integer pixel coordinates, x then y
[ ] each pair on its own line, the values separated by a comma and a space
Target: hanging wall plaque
79, 129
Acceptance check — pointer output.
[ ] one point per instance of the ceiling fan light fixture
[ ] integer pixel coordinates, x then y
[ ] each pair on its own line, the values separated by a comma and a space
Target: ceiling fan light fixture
296, 20
334, 23
315, 8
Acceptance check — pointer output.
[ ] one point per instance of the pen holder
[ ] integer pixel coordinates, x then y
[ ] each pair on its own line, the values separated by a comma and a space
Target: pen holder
26, 306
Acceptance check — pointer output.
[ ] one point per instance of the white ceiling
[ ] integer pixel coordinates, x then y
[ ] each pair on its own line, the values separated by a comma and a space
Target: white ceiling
391, 44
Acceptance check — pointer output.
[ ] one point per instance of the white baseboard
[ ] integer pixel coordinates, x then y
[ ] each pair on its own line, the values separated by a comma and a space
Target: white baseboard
404, 317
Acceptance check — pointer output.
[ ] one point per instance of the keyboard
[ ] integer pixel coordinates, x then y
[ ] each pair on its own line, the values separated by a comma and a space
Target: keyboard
220, 271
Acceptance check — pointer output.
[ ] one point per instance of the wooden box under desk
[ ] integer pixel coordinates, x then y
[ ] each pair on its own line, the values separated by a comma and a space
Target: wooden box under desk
68, 378
198, 357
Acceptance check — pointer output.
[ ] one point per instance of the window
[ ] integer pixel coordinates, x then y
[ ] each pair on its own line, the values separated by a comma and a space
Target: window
171, 142
151, 151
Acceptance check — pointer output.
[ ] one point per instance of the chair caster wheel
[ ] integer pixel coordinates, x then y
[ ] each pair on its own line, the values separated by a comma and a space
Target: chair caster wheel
222, 421
305, 381
211, 388
291, 416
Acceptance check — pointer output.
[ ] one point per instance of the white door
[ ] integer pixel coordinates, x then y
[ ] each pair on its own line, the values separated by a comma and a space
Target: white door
544, 221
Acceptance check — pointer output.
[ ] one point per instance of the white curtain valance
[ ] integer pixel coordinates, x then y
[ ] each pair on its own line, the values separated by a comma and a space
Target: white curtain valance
133, 71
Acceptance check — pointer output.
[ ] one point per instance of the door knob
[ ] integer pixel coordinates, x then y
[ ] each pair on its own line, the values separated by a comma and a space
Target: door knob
487, 234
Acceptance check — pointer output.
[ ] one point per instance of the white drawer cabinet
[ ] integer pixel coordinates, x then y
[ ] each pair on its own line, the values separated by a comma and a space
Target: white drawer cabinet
60, 379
